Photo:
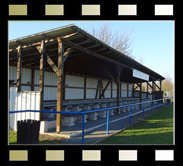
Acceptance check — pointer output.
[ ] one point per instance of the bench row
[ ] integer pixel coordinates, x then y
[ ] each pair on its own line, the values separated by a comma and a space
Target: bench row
69, 120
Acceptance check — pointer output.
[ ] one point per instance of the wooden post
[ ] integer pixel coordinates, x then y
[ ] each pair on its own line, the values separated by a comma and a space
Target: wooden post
19, 67
41, 77
140, 93
84, 87
127, 90
111, 89
147, 90
60, 84
160, 85
32, 79
118, 90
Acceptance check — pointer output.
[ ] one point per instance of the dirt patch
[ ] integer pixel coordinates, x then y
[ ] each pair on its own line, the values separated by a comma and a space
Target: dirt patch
49, 137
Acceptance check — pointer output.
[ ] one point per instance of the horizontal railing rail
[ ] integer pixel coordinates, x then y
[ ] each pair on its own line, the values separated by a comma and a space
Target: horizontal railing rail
98, 110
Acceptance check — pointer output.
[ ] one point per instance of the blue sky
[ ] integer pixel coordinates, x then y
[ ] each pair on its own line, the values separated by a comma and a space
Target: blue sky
152, 40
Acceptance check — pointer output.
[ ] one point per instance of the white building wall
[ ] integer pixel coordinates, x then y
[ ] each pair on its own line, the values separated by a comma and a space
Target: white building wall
107, 91
50, 78
13, 73
91, 83
124, 89
73, 93
114, 91
22, 101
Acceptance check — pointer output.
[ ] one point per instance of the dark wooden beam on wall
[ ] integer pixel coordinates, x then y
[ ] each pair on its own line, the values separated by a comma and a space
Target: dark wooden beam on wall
19, 67
160, 85
156, 85
103, 91
84, 87
32, 79
109, 74
147, 90
150, 85
111, 88
140, 93
98, 85
41, 76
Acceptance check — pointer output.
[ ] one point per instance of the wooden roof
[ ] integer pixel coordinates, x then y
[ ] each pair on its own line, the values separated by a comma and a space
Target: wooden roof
89, 57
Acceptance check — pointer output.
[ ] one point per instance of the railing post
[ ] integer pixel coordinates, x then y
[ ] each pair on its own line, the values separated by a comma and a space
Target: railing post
83, 129
143, 109
130, 113
107, 121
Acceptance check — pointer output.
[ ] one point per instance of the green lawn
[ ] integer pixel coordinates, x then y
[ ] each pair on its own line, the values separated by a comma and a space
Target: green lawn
43, 139
156, 129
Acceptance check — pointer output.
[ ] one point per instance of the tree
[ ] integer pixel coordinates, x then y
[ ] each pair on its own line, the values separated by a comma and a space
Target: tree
167, 84
120, 39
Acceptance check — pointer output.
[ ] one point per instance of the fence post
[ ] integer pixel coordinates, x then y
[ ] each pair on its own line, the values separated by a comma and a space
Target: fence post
107, 121
130, 113
143, 109
83, 129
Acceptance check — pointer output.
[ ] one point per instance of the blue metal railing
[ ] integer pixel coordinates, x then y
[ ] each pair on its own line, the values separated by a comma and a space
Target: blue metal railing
98, 110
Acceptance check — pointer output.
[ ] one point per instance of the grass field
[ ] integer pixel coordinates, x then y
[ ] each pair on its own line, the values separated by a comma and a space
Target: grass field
156, 129
43, 138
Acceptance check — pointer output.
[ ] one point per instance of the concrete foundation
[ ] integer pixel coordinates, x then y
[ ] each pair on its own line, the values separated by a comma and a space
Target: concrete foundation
111, 112
102, 114
93, 116
86, 107
69, 121
75, 108
45, 126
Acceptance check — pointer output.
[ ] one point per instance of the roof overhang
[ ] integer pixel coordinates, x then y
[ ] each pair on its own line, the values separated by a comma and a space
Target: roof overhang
89, 56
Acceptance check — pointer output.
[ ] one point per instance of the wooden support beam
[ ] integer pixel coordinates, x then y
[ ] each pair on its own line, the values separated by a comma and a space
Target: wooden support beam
41, 76
150, 85
51, 63
32, 79
127, 90
138, 85
98, 85
84, 87
160, 85
109, 74
118, 83
93, 53
147, 89
49, 60
19, 67
111, 89
60, 84
103, 91
156, 85
67, 53
140, 93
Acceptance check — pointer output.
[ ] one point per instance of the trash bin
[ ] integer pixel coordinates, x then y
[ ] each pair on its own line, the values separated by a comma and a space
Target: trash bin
28, 131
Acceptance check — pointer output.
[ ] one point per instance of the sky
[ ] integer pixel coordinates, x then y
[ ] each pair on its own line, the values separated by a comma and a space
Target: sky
152, 40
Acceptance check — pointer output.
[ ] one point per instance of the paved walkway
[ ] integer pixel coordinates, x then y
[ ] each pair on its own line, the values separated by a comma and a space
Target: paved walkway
95, 131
